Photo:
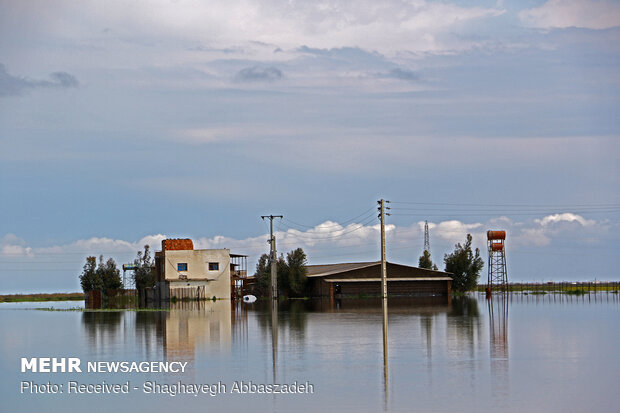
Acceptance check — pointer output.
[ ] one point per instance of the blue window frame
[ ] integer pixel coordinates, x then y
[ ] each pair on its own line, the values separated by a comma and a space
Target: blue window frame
214, 266
182, 266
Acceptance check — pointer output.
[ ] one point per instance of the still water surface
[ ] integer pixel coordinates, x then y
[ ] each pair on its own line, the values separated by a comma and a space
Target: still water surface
522, 353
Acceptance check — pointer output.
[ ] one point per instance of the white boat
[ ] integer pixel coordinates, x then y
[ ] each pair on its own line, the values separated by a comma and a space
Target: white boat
249, 298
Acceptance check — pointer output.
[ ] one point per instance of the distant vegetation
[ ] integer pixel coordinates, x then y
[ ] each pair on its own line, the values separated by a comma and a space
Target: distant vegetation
426, 262
15, 298
561, 287
292, 275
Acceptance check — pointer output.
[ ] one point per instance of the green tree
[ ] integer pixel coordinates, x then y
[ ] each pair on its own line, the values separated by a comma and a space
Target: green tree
291, 275
89, 279
297, 272
144, 273
262, 277
464, 265
105, 276
426, 262
109, 274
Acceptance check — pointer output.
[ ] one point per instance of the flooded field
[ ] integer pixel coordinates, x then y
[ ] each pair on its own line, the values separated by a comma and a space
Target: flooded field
543, 353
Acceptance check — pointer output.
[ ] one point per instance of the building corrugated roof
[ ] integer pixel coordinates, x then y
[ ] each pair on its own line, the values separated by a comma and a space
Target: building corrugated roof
329, 269
378, 279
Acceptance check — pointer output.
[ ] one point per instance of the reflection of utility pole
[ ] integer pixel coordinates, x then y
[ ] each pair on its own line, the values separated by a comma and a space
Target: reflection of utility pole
273, 257
382, 215
385, 353
274, 336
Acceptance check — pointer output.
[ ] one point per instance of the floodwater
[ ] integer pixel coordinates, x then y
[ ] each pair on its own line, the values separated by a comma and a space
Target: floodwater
544, 353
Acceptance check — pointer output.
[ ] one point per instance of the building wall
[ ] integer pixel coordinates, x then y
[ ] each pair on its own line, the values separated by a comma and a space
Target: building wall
395, 288
215, 283
320, 287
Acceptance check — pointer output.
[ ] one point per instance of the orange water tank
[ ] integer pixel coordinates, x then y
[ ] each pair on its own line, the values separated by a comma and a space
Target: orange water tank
496, 235
497, 246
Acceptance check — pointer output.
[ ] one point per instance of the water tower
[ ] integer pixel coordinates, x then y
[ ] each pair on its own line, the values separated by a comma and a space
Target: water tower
498, 277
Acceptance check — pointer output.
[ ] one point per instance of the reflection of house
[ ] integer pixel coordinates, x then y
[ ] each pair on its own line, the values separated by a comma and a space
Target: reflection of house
192, 325
183, 272
364, 278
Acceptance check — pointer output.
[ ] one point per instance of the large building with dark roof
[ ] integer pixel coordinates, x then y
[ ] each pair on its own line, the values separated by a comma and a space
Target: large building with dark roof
364, 278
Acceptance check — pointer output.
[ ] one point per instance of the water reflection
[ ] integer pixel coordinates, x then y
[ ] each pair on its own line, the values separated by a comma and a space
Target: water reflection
433, 354
185, 329
103, 328
385, 353
497, 306
193, 324
464, 328
174, 333
274, 336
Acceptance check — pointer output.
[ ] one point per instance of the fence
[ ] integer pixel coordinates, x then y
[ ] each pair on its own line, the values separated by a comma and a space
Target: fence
566, 287
189, 293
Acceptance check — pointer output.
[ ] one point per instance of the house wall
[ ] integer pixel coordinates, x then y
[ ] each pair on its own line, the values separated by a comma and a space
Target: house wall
211, 283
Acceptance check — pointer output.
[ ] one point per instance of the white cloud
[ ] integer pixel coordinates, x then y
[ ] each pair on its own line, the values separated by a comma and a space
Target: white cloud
589, 14
455, 231
566, 217
13, 246
101, 245
16, 250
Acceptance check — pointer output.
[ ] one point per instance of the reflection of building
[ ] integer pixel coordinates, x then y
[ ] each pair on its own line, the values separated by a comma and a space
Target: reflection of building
185, 273
194, 324
337, 280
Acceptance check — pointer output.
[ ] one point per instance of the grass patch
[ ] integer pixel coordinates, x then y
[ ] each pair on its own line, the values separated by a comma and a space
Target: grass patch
17, 298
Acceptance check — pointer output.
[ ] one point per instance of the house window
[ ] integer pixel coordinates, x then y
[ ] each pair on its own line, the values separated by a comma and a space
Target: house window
214, 266
182, 266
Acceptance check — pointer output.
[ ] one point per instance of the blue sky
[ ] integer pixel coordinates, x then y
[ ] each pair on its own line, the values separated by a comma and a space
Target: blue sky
121, 124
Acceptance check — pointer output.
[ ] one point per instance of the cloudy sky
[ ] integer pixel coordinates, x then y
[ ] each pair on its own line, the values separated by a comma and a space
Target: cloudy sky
122, 123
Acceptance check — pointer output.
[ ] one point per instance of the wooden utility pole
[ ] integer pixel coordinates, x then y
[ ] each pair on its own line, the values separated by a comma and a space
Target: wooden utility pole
273, 257
382, 215
384, 291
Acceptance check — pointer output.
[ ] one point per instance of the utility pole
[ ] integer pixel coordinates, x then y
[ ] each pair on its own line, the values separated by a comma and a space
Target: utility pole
382, 215
273, 259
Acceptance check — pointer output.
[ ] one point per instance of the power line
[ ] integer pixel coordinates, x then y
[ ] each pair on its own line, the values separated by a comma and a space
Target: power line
286, 228
321, 237
363, 214
512, 205
491, 213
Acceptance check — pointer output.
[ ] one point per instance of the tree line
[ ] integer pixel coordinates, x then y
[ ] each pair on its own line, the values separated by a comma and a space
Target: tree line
106, 275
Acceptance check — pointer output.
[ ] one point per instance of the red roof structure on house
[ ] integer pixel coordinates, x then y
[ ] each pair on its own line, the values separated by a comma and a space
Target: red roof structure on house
177, 244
